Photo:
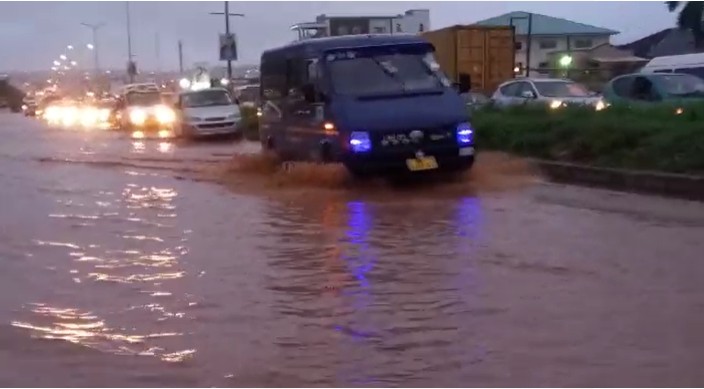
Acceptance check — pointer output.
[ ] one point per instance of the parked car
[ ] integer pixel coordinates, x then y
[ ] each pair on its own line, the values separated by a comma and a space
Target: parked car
675, 88
553, 92
207, 112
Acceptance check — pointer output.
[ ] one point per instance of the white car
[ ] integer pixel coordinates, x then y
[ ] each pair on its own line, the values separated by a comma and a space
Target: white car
553, 92
208, 112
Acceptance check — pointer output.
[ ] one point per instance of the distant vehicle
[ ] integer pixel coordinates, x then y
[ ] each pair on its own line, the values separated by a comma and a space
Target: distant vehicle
376, 103
675, 88
687, 64
553, 92
207, 112
29, 106
247, 95
142, 112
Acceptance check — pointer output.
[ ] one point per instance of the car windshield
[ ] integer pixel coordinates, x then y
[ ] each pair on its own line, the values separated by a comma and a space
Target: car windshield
141, 98
681, 85
561, 89
357, 74
207, 98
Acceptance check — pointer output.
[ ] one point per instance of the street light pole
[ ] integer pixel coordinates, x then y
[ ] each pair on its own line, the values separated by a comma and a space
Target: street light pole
129, 42
529, 36
227, 32
94, 28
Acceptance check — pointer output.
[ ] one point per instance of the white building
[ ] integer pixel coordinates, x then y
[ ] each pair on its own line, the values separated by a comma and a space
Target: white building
412, 21
547, 35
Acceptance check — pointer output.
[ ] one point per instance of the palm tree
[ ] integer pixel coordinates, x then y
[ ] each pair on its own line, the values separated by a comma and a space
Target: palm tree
690, 18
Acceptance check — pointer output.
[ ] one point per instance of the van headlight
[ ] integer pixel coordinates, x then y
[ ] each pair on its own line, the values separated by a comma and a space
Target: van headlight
465, 134
600, 105
165, 115
138, 117
360, 142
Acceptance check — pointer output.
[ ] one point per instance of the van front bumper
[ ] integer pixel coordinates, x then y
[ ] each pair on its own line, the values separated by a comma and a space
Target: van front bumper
397, 162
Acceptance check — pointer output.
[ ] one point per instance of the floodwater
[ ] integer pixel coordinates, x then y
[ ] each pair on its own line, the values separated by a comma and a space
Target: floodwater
159, 264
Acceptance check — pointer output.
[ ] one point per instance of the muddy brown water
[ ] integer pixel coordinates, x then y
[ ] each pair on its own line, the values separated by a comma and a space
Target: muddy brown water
158, 264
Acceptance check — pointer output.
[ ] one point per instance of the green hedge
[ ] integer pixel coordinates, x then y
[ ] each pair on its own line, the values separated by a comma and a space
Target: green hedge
647, 138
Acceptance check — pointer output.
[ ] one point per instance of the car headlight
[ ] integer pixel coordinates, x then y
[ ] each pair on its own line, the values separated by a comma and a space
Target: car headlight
555, 104
193, 119
600, 105
233, 116
465, 134
138, 117
104, 114
165, 115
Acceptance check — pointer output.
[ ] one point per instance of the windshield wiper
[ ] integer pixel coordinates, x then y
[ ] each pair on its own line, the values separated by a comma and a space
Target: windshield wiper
386, 71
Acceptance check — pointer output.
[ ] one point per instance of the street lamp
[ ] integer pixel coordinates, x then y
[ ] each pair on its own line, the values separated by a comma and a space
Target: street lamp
94, 46
566, 60
57, 63
69, 47
63, 57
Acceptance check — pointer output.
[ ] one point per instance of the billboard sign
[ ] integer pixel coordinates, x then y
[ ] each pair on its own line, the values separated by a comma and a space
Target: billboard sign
228, 47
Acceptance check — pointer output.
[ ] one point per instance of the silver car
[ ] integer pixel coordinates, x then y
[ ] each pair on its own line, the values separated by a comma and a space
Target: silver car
208, 112
553, 92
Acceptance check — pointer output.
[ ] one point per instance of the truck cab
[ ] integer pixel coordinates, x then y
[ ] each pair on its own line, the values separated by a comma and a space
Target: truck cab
376, 103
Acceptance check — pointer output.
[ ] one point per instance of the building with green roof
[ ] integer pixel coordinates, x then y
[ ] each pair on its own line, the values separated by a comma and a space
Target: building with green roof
548, 34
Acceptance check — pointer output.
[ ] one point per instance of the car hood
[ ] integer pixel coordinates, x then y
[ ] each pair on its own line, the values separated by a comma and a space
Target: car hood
211, 112
399, 113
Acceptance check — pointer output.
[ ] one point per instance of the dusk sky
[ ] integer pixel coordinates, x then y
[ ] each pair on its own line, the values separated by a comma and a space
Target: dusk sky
32, 34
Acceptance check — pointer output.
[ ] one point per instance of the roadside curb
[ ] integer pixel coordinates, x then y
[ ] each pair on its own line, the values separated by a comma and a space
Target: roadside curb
665, 184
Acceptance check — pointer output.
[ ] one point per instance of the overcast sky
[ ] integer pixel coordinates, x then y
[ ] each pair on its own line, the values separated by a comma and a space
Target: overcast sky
32, 34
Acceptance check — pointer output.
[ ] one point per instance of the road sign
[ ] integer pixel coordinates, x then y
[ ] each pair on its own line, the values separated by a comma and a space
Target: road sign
228, 47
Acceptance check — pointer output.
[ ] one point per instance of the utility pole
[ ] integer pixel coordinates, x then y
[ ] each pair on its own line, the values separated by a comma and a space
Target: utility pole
94, 28
180, 57
227, 32
129, 43
529, 37
157, 50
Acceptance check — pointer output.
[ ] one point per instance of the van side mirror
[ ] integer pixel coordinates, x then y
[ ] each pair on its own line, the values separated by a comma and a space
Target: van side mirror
465, 83
309, 94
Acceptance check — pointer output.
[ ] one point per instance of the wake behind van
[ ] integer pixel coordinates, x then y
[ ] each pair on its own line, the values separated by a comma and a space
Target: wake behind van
687, 63
376, 103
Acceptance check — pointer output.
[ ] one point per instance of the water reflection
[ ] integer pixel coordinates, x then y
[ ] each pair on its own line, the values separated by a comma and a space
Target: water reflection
130, 255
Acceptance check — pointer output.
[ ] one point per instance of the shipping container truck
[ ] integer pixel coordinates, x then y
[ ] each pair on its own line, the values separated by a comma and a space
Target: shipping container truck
486, 53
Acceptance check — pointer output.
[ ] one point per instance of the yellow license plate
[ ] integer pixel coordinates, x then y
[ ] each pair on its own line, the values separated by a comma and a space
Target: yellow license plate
424, 163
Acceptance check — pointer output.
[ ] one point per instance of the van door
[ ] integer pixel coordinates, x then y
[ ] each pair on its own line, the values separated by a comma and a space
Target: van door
304, 117
273, 92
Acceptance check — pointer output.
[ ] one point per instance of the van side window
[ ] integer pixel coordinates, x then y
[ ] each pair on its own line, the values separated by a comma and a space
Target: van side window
273, 78
313, 70
296, 76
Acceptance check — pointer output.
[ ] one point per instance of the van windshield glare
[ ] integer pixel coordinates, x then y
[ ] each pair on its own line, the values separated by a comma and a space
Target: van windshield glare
384, 73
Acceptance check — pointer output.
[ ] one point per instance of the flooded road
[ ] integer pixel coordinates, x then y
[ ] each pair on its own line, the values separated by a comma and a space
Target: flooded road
121, 267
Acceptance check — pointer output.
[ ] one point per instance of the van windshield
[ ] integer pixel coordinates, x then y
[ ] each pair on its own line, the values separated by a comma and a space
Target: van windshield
681, 85
385, 73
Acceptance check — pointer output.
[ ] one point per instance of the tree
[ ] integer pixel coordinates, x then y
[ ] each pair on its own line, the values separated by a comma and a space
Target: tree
689, 18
